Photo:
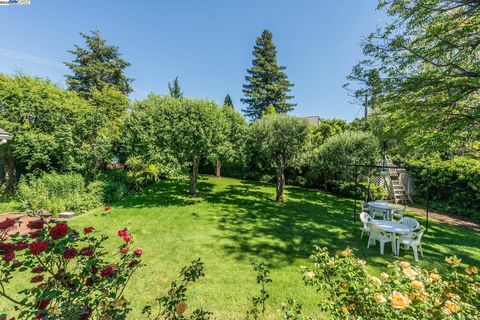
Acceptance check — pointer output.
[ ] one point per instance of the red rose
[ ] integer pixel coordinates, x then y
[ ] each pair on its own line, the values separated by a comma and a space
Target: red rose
122, 233
123, 250
38, 269
94, 269
108, 271
127, 239
138, 252
7, 224
88, 230
59, 231
133, 263
37, 247
43, 304
21, 245
34, 234
36, 224
87, 251
39, 316
36, 279
9, 256
107, 208
70, 253
89, 282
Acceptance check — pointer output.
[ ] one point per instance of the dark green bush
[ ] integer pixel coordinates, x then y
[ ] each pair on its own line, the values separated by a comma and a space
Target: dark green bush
454, 184
349, 189
59, 192
116, 184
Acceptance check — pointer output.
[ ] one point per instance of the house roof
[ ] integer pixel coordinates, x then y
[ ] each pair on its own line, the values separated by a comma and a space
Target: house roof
313, 120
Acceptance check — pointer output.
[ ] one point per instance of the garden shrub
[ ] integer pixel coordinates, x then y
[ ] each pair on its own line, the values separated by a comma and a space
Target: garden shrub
116, 184
58, 192
350, 189
454, 184
70, 272
141, 173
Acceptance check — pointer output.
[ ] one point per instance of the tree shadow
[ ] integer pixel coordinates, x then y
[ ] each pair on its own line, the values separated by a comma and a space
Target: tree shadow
166, 193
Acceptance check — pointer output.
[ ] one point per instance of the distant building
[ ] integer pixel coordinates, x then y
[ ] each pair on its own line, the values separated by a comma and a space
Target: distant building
4, 136
313, 120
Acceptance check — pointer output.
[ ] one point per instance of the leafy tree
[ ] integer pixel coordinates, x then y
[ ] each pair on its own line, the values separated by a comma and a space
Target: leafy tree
174, 89
97, 66
334, 159
282, 138
228, 101
326, 129
176, 132
267, 83
232, 146
428, 61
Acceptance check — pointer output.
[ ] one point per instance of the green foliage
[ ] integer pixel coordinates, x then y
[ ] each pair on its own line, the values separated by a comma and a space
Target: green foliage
174, 89
140, 173
280, 139
326, 129
175, 133
453, 185
349, 189
266, 82
334, 159
70, 274
97, 66
402, 291
427, 58
174, 304
228, 101
59, 192
258, 302
116, 184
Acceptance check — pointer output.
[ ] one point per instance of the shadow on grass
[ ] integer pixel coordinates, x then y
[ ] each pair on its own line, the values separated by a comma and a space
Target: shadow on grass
254, 227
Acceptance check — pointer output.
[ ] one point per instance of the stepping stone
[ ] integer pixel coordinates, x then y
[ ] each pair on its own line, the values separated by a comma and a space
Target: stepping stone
66, 215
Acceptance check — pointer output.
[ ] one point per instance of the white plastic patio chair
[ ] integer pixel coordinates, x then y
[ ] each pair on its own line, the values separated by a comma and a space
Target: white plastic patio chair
377, 234
412, 240
365, 207
376, 212
365, 218
410, 222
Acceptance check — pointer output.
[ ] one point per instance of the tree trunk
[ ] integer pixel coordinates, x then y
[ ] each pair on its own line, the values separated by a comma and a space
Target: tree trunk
194, 175
218, 167
280, 181
10, 174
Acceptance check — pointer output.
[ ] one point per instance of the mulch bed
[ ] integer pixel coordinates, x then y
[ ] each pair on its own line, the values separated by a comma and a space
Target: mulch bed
22, 218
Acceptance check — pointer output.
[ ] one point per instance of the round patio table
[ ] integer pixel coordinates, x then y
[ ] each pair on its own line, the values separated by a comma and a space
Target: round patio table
388, 207
392, 227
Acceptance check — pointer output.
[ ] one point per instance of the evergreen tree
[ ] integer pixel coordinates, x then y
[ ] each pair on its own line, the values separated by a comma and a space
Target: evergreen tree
228, 101
175, 90
267, 84
97, 66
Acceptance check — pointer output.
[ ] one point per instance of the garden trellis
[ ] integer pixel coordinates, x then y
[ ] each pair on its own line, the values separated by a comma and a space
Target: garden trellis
397, 180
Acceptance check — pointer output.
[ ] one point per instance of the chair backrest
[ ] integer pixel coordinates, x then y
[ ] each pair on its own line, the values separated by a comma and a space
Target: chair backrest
410, 222
377, 212
418, 235
365, 207
365, 218
376, 232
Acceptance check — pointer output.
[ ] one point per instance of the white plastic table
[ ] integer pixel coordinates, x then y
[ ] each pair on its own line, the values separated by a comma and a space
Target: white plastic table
383, 206
392, 227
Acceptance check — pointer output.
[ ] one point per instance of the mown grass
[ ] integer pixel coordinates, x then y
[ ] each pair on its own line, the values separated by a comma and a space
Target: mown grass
235, 222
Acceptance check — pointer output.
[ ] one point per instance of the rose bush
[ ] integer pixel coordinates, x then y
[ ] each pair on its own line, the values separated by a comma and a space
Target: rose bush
401, 292
71, 275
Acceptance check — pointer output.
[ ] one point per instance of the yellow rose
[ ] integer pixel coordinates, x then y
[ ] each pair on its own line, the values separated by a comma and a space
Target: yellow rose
454, 308
379, 298
310, 275
384, 276
398, 300
471, 270
437, 303
409, 273
454, 261
445, 311
436, 276
404, 264
362, 262
331, 263
420, 296
376, 281
417, 285
347, 252
345, 310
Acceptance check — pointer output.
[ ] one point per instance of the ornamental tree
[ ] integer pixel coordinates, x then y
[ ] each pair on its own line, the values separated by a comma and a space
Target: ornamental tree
176, 132
70, 273
282, 138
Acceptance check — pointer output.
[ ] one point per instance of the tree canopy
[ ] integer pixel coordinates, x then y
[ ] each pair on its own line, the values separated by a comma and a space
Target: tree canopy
428, 61
174, 89
96, 66
282, 139
266, 82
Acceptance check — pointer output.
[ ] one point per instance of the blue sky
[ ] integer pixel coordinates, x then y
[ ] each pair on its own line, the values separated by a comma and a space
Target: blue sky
207, 43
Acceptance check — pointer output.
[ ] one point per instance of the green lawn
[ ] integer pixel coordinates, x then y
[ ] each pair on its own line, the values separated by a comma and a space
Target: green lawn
235, 222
